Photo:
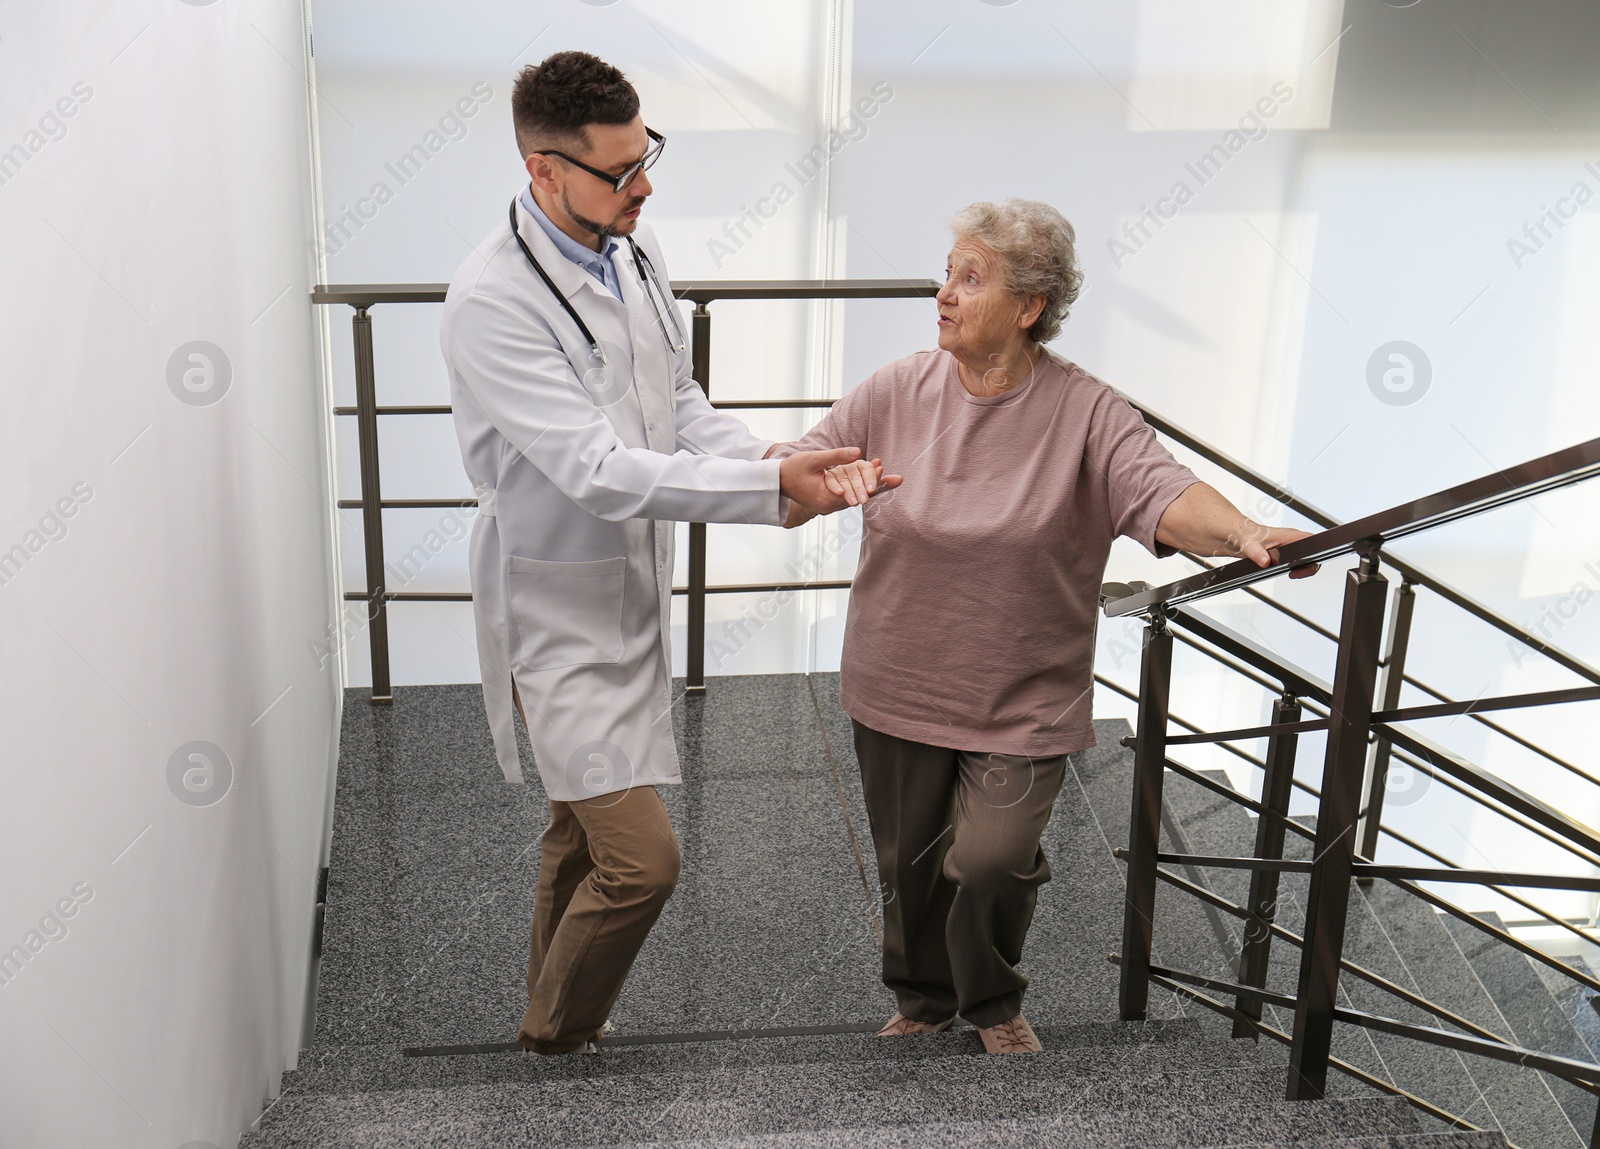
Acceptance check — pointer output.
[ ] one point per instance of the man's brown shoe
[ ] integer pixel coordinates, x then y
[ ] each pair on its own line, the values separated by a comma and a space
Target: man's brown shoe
899, 1025
1014, 1036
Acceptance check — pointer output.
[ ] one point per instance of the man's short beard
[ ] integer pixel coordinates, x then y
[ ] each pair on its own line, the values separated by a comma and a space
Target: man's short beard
603, 230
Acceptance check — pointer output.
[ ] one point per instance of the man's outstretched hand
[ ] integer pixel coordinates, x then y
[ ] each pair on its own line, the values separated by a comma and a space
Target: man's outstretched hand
821, 482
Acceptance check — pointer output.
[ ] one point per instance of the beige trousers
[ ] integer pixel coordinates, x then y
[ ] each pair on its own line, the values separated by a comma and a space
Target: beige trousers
606, 867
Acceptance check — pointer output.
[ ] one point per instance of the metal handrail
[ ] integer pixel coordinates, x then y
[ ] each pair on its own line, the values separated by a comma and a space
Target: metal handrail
363, 296
1444, 905
1355, 719
1550, 472
1577, 840
1226, 640
1413, 574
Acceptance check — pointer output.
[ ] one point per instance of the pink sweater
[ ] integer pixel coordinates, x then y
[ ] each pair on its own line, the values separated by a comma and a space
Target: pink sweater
971, 620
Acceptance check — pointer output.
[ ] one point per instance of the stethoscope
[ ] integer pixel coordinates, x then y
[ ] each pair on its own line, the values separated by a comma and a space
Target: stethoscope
650, 282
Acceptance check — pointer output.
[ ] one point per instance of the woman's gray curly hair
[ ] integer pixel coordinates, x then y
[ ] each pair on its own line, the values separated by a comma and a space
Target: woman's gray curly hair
1036, 246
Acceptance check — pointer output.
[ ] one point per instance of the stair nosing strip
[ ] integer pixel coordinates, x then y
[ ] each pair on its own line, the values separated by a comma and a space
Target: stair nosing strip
652, 1039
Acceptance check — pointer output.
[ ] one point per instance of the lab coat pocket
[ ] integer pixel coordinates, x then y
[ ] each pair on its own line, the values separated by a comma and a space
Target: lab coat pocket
565, 614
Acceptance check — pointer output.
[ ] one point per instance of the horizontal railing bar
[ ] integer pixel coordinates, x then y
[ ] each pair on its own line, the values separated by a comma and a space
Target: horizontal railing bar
1256, 593
410, 504
1342, 1066
413, 409
1231, 749
1232, 795
766, 587
1510, 815
693, 291
1503, 702
1296, 679
1537, 910
1220, 633
370, 294
1377, 980
1550, 472
1502, 936
1567, 1068
1322, 519
1231, 988
769, 404
730, 588
1476, 877
1508, 733
719, 404
1503, 792
1229, 640
1222, 862
697, 291
1249, 732
1516, 819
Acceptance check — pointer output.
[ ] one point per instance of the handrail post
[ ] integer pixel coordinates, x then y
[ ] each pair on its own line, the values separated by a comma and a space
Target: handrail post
1277, 785
371, 506
1144, 821
1328, 899
1394, 670
695, 660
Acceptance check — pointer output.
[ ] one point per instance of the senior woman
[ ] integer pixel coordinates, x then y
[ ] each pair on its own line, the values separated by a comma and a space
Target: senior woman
967, 659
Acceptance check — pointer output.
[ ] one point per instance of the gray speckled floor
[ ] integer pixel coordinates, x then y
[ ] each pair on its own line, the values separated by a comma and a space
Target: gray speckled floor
774, 924
435, 859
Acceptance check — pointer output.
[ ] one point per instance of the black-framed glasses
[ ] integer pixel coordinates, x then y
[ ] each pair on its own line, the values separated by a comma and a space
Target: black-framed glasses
619, 183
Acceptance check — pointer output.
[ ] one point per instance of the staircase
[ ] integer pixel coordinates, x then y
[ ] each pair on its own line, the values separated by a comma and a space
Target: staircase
747, 1019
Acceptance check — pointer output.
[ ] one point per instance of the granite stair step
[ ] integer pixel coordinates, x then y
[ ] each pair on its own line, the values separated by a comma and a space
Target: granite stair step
1181, 1107
1087, 1048
1531, 1016
1030, 1134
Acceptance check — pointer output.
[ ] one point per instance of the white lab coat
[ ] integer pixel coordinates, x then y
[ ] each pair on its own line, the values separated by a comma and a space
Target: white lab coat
580, 474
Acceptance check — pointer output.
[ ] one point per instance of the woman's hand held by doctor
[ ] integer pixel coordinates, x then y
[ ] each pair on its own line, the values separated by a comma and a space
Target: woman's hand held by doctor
804, 479
858, 481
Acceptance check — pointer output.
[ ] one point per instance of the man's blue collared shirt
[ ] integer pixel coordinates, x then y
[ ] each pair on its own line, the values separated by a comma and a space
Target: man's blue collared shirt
597, 264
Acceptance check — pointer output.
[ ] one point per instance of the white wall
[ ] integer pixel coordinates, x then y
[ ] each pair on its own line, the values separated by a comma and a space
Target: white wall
174, 566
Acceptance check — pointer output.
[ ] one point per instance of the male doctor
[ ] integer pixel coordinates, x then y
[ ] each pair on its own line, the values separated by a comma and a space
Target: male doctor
586, 438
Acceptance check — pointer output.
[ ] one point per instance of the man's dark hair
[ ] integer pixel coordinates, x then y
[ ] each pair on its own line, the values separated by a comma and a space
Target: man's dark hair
554, 100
